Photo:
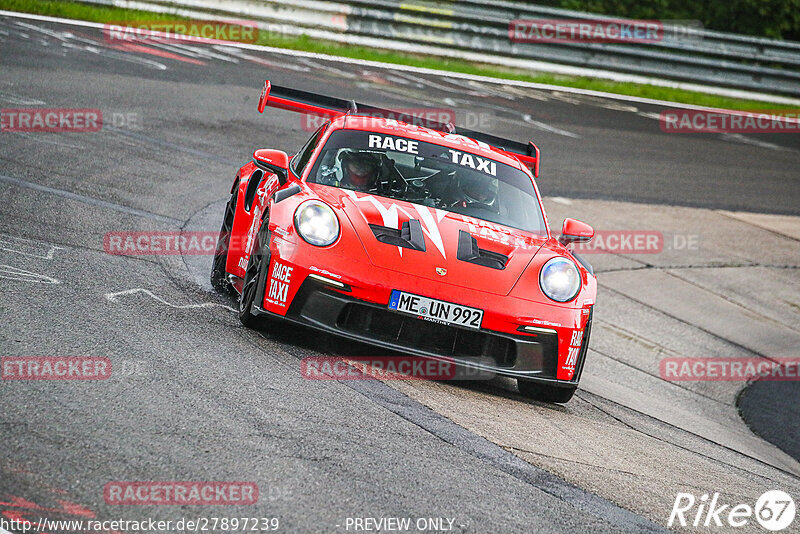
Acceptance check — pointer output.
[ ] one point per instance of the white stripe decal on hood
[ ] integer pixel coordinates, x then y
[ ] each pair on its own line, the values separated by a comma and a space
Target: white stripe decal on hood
430, 225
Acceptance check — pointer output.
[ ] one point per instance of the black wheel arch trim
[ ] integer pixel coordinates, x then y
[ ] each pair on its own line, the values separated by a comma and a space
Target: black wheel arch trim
263, 239
252, 186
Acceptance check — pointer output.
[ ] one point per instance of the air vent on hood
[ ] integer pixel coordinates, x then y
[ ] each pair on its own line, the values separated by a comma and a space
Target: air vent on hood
468, 251
408, 236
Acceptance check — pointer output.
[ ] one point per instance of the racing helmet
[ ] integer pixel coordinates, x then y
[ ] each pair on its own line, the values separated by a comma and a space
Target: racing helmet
478, 189
360, 169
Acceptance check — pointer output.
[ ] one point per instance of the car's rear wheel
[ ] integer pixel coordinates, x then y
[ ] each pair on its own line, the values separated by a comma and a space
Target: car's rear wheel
219, 276
545, 393
256, 270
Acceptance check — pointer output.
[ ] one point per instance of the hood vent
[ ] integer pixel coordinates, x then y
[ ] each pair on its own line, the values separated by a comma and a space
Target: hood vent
408, 236
468, 251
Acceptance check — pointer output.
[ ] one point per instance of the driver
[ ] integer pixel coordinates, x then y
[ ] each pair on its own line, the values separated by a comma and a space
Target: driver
360, 170
477, 190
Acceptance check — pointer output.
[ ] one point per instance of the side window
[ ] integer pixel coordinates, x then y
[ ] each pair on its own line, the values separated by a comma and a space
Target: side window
301, 159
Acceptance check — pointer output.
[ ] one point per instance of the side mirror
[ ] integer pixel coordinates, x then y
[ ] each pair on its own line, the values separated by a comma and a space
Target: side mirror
575, 232
276, 161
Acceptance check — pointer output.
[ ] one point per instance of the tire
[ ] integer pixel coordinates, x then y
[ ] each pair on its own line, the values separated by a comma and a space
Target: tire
545, 393
255, 272
219, 276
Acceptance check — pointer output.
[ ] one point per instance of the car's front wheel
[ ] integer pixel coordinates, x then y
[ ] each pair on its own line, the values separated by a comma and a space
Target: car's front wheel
256, 271
545, 393
219, 276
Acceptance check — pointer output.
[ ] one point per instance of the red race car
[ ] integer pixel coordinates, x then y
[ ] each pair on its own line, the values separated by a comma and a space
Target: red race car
397, 231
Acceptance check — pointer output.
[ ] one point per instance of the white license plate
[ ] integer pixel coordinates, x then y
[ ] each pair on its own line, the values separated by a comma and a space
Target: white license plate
435, 310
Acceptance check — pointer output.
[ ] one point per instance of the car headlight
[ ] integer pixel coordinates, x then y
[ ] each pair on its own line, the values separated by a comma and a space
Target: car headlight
560, 279
316, 223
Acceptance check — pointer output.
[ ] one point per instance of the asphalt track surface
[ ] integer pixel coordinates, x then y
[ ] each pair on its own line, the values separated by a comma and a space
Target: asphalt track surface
194, 395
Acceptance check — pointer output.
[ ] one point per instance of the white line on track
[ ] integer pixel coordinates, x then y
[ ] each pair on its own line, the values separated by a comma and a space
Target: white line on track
739, 138
10, 272
261, 61
69, 40
88, 200
113, 297
48, 140
20, 100
548, 128
20, 245
194, 51
459, 75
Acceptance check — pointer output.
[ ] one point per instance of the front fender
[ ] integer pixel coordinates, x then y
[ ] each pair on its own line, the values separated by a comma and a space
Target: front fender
527, 287
255, 188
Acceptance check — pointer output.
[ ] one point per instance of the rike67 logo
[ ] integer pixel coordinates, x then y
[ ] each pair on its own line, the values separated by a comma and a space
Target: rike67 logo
774, 510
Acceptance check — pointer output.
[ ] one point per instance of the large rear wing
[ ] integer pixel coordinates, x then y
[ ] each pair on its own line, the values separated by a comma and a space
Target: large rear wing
327, 106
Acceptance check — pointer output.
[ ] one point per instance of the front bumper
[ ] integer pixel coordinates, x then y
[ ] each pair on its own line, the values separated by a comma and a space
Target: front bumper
479, 353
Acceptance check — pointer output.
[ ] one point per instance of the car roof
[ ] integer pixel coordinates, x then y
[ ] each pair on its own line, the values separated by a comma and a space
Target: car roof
390, 126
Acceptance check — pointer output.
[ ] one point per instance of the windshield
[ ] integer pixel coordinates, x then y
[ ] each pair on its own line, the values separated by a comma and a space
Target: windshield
431, 175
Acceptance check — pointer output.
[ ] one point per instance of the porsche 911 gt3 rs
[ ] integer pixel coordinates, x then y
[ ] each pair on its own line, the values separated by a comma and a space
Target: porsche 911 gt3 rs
410, 236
